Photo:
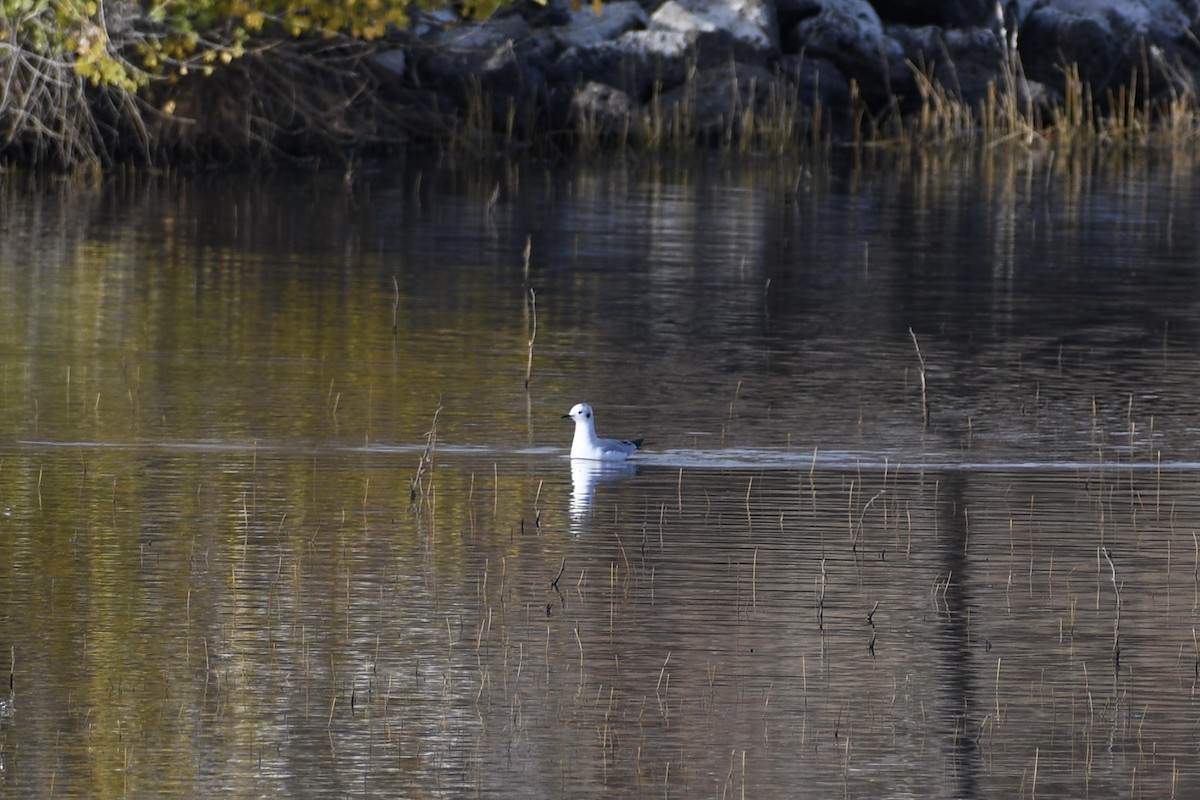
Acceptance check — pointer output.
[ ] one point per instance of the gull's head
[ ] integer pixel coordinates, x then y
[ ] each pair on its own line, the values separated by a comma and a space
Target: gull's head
580, 412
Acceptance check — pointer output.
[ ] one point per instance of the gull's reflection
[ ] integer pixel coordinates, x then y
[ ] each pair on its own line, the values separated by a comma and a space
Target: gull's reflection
585, 476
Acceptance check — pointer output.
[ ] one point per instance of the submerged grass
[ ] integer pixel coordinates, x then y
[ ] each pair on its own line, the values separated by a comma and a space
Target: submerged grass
420, 490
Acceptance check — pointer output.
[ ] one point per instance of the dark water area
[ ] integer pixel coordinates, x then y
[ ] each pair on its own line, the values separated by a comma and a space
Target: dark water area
286, 507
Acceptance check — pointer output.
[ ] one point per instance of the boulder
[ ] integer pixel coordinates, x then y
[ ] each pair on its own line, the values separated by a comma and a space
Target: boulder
390, 62
741, 30
816, 81
601, 110
637, 62
1106, 39
560, 65
716, 101
850, 34
455, 56
500, 62
586, 28
790, 13
964, 61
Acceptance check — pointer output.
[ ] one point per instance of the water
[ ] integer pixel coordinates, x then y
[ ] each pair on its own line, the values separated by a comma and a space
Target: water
236, 563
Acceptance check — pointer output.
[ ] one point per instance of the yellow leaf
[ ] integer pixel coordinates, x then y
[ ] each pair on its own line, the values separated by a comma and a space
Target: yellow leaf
254, 20
597, 7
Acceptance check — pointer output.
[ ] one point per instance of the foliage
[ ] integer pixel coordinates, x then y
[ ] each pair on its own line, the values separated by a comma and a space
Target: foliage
125, 44
75, 72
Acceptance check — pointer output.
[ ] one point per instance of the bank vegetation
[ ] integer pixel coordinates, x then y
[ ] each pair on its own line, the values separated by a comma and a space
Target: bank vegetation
86, 84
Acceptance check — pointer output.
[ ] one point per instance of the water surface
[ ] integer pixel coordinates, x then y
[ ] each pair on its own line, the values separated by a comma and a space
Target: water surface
285, 507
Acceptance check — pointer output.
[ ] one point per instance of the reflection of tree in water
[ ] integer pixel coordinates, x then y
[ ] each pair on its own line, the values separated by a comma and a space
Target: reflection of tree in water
958, 712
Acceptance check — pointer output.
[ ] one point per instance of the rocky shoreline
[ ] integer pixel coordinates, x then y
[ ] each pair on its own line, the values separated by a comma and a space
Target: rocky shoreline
555, 77
558, 69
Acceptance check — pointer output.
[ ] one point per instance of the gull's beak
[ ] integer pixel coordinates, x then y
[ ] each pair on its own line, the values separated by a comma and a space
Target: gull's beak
566, 416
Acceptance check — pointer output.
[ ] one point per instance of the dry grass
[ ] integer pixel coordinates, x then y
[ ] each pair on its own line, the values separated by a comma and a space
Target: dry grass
1009, 116
320, 101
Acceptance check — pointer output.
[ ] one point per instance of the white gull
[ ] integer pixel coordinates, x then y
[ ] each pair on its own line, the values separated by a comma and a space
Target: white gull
590, 446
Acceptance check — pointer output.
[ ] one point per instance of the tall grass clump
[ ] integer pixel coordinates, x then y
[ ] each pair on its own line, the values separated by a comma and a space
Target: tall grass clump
1018, 112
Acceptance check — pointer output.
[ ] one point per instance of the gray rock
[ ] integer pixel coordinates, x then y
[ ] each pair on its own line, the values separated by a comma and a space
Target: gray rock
839, 26
850, 34
458, 55
1105, 39
391, 62
601, 110
717, 101
963, 61
1158, 19
750, 24
586, 28
637, 62
789, 13
816, 81
499, 64
558, 65
425, 22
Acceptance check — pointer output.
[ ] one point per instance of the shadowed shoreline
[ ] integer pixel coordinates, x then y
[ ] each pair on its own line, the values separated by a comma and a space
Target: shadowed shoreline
556, 80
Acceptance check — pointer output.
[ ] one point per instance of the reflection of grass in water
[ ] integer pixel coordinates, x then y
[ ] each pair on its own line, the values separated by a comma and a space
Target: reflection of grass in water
632, 706
1089, 715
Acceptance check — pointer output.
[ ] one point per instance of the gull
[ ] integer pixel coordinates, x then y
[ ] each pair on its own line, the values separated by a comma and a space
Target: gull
590, 446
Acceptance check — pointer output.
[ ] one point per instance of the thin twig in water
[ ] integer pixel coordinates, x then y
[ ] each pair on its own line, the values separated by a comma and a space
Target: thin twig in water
858, 528
821, 599
1116, 651
532, 335
395, 305
921, 374
426, 461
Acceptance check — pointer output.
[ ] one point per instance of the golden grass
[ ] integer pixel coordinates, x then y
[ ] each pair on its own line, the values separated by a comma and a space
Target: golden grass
1078, 121
253, 113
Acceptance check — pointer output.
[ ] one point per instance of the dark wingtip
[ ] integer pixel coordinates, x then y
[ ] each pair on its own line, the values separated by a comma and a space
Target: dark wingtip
637, 443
